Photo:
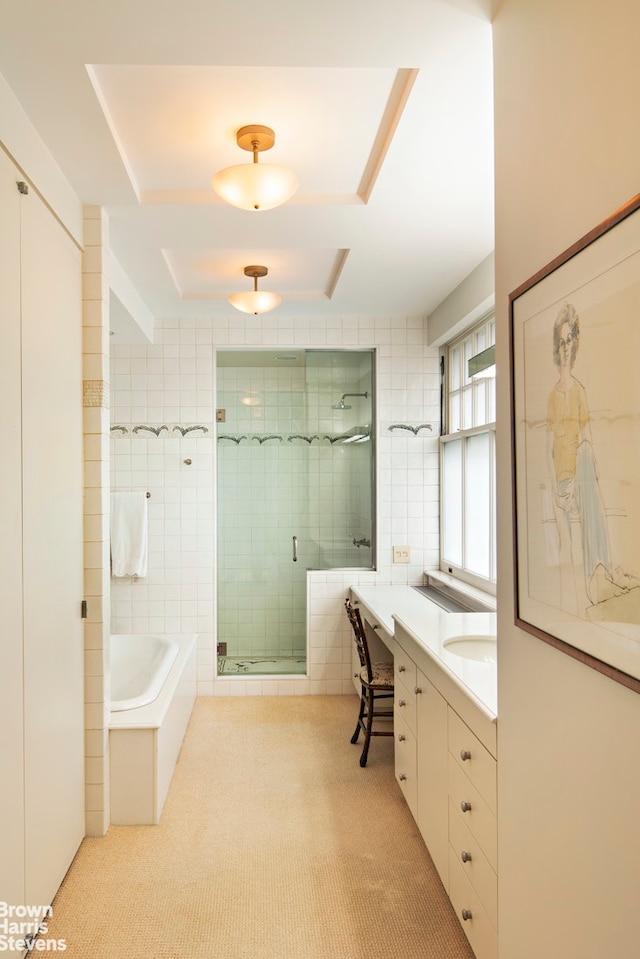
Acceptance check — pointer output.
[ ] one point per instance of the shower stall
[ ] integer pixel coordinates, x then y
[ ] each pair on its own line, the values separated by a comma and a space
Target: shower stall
295, 480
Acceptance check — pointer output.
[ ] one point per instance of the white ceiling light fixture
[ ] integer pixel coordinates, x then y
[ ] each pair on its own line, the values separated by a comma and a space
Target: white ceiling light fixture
255, 301
255, 186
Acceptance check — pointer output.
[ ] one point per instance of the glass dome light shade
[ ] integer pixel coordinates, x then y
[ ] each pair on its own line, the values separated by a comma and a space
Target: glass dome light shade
255, 301
255, 186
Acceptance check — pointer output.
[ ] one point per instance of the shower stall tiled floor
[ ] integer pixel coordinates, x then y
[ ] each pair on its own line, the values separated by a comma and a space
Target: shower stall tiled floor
261, 665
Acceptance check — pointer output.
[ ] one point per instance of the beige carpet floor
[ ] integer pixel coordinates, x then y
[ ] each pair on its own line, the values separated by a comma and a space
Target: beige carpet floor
273, 844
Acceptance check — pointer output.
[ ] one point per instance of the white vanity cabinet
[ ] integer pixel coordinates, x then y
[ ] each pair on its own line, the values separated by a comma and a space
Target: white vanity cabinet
420, 727
405, 729
473, 880
433, 801
445, 731
451, 789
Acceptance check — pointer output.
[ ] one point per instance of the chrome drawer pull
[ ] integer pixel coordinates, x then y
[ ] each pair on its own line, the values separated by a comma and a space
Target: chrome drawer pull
465, 755
466, 856
402, 777
465, 806
401, 738
401, 702
417, 690
401, 668
467, 914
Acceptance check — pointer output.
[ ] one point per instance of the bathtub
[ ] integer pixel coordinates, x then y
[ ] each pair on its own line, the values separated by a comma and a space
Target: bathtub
153, 689
139, 667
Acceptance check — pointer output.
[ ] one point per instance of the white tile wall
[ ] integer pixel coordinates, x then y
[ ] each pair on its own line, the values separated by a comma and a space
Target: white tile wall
173, 383
95, 372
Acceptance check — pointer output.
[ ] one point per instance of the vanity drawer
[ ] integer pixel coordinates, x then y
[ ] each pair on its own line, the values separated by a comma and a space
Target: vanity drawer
480, 820
476, 762
405, 760
404, 706
477, 926
475, 864
404, 670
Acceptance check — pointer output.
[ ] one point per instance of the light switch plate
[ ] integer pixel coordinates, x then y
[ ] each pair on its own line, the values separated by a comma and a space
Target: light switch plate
401, 554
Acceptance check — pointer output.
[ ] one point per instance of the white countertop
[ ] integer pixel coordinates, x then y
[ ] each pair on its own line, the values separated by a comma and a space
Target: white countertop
429, 626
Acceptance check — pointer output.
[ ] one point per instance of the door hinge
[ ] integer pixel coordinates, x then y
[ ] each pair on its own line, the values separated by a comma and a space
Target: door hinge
83, 609
22, 187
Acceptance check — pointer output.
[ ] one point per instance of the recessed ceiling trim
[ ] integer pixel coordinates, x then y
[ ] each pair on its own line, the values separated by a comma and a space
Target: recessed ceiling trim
396, 102
331, 269
402, 86
386, 94
172, 272
97, 89
341, 259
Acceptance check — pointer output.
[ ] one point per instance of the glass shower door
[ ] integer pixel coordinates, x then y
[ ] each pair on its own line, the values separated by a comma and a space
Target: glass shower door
294, 480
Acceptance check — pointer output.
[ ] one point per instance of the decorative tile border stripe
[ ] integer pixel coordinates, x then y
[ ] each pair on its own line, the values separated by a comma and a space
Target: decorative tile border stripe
410, 429
199, 429
352, 436
172, 430
194, 430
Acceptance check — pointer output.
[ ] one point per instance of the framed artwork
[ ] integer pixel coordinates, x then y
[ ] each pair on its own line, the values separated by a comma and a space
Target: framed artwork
575, 382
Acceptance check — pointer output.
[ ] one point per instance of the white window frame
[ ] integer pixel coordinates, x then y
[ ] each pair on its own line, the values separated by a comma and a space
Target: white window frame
478, 337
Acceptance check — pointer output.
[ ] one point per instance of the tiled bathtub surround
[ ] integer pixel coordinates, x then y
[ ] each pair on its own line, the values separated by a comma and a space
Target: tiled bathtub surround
173, 382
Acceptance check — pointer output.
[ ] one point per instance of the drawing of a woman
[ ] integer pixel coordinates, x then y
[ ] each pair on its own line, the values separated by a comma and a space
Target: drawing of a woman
572, 466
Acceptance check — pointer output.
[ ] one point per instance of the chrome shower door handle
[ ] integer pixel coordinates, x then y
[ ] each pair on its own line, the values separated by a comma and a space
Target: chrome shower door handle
295, 549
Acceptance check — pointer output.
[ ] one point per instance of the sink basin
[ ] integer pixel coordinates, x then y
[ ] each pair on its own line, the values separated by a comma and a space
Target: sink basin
482, 649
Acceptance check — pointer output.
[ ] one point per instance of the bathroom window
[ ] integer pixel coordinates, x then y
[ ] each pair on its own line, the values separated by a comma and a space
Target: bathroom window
467, 460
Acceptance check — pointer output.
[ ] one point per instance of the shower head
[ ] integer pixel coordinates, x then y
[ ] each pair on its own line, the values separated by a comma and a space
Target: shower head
345, 406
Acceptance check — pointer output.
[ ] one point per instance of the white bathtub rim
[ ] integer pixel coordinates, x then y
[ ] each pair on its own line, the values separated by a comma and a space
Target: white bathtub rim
152, 689
152, 715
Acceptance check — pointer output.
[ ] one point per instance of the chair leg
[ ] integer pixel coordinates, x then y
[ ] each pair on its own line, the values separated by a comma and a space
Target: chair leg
367, 731
354, 738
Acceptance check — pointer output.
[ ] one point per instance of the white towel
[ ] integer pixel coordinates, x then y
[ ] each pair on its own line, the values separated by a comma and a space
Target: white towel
129, 534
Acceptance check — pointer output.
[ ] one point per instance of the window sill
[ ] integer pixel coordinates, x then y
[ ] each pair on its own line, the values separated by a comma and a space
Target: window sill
478, 599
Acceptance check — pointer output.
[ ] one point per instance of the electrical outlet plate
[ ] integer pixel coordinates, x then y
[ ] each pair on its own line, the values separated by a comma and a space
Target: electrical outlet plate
401, 554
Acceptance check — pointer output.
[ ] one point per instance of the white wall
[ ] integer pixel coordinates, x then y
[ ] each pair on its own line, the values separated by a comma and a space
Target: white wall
567, 77
465, 305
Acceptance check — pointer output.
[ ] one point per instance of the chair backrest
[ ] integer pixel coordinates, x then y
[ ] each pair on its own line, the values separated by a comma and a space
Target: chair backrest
360, 637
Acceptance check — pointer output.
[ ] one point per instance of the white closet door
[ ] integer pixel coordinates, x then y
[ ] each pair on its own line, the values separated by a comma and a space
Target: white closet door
11, 730
52, 547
